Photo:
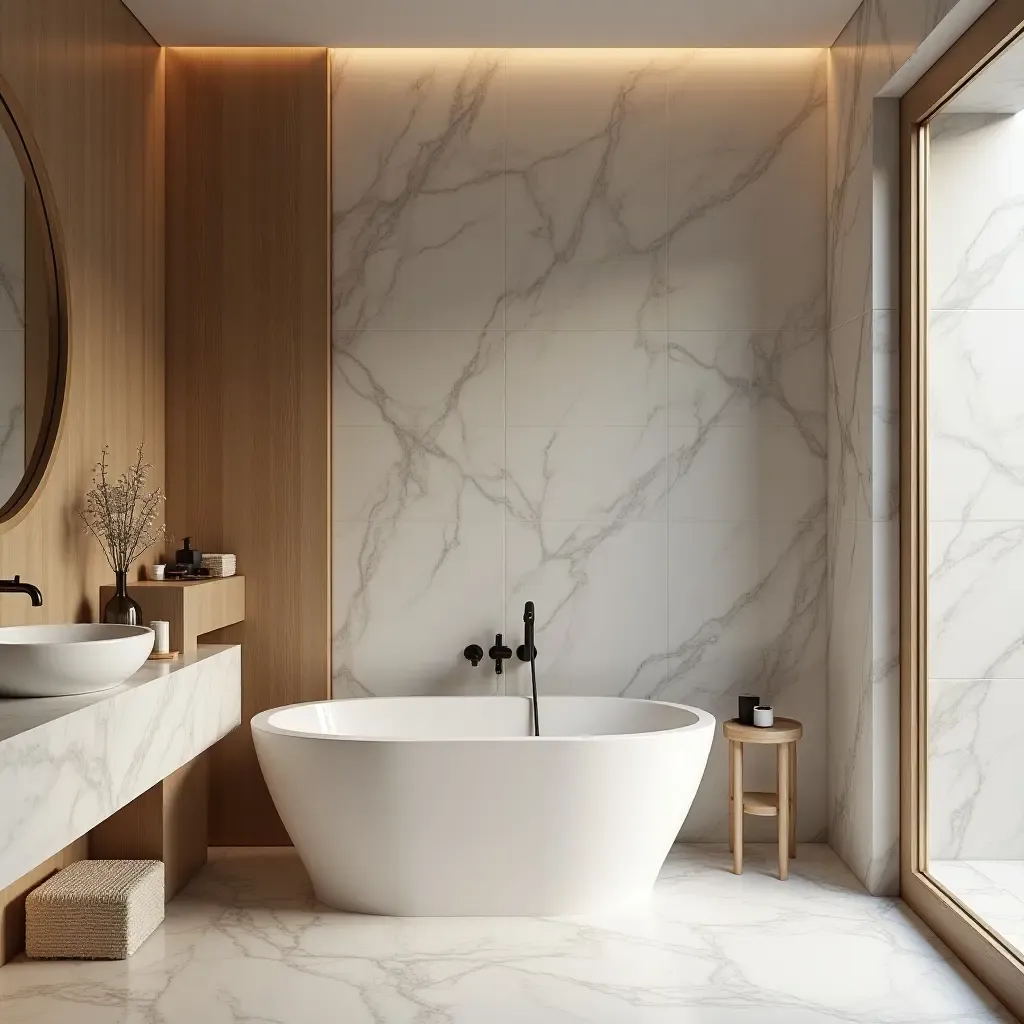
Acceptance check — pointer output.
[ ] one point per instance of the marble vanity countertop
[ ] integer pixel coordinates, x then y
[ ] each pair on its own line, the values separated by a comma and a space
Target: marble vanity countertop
66, 763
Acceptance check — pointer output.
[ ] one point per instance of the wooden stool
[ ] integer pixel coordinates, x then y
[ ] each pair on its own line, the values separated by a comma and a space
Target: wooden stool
784, 734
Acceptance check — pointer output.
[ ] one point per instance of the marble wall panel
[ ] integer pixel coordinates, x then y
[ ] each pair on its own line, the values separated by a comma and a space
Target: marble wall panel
884, 47
579, 359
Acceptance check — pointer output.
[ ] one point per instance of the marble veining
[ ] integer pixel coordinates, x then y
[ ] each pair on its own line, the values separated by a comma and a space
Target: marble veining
747, 614
880, 40
744, 159
247, 942
975, 258
585, 191
976, 431
579, 353
66, 763
739, 378
973, 585
418, 190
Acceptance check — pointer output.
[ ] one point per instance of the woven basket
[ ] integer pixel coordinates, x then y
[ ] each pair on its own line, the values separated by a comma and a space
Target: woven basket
95, 910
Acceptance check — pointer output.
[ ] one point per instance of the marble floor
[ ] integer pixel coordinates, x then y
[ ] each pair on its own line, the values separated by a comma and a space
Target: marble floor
991, 889
247, 943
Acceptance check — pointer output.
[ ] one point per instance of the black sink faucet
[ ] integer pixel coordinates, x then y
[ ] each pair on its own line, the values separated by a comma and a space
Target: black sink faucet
15, 586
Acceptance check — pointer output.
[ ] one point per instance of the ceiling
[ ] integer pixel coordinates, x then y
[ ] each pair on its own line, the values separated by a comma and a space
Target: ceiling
527, 23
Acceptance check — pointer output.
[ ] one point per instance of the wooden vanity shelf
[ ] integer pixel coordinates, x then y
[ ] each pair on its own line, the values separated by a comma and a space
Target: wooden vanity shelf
192, 607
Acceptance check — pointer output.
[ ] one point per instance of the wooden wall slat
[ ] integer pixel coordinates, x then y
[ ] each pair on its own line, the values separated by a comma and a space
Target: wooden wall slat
248, 374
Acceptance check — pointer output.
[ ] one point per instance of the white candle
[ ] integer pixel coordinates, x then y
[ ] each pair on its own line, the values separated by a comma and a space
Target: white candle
162, 642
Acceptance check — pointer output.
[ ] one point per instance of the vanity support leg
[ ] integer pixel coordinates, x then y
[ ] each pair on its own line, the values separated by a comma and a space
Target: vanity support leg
167, 822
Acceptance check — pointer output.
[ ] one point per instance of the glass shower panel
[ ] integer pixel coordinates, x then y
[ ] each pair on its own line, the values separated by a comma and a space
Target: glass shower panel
975, 497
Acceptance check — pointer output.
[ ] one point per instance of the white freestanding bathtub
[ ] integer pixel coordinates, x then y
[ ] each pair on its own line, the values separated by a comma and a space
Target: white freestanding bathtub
447, 806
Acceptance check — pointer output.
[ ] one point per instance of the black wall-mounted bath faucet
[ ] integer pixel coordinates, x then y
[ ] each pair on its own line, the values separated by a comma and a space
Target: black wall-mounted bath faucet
15, 586
498, 654
474, 654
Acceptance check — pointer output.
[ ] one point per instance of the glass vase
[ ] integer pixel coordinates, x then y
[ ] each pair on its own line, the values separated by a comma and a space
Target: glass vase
121, 609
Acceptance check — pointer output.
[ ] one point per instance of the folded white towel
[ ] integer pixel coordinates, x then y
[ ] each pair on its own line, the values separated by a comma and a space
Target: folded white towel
220, 564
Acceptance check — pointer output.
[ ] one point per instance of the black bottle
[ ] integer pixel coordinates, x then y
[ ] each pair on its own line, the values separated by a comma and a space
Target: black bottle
187, 557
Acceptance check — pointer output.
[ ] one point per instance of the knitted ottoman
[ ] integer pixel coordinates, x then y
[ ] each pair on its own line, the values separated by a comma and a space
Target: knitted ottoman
95, 910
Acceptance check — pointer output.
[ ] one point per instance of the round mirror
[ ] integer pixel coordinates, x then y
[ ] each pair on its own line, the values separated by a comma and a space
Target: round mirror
33, 333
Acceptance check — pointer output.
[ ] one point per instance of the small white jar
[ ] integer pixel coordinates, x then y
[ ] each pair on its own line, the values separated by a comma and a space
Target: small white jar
158, 571
764, 716
162, 640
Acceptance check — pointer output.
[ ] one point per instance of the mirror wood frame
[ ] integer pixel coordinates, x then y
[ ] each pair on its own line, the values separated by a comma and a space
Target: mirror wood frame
39, 193
992, 960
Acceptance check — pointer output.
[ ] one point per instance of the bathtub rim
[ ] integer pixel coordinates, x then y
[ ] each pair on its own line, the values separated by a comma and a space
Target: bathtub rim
260, 722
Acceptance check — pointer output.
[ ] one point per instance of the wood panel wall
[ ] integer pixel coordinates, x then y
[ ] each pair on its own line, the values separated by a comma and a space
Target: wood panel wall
248, 374
88, 82
12, 897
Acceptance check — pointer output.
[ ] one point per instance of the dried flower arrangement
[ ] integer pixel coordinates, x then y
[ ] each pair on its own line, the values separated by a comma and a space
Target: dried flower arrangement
121, 514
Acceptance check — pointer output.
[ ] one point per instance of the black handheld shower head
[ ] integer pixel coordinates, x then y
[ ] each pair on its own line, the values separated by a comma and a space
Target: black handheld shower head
527, 648
528, 652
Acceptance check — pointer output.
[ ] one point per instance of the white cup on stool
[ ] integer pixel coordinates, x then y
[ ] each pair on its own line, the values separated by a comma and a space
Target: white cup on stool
764, 716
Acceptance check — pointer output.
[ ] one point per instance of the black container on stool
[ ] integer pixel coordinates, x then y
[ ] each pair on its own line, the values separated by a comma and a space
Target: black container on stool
747, 704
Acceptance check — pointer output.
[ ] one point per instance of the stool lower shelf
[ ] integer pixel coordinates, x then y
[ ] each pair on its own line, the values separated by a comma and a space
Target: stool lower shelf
761, 805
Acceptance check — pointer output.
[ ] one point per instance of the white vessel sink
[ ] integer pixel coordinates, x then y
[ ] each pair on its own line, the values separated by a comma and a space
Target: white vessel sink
58, 661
